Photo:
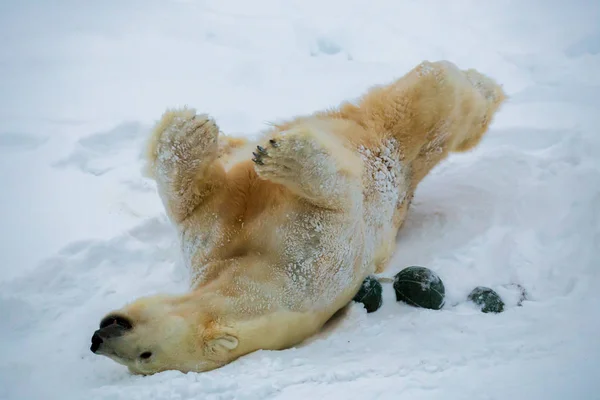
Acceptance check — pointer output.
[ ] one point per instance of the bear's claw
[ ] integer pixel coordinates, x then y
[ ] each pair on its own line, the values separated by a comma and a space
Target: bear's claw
257, 158
262, 152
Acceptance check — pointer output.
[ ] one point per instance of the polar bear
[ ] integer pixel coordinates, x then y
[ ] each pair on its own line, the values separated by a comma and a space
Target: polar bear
280, 233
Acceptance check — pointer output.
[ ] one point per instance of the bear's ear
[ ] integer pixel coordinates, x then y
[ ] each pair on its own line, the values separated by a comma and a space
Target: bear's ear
219, 339
221, 343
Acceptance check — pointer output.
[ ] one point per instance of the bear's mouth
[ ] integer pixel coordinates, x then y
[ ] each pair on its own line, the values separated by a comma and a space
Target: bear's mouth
113, 355
102, 347
111, 327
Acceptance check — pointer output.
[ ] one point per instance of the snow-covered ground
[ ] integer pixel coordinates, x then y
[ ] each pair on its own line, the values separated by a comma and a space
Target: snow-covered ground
82, 232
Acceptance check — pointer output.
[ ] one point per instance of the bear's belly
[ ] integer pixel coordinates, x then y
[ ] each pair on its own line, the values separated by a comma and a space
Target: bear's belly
318, 254
198, 243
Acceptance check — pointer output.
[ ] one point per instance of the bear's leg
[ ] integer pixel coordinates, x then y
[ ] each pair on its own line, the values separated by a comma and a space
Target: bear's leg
315, 167
182, 158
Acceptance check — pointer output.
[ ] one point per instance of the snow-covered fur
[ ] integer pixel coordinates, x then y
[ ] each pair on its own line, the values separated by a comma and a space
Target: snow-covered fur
280, 234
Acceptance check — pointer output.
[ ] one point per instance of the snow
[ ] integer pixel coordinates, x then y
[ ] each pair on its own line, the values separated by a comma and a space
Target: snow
82, 232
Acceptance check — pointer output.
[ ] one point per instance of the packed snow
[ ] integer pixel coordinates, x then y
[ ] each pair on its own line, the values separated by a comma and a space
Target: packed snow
82, 232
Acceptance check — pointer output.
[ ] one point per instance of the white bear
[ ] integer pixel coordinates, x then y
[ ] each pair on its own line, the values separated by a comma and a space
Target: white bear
281, 233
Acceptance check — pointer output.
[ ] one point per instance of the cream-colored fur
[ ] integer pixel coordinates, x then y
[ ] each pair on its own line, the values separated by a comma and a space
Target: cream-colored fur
280, 240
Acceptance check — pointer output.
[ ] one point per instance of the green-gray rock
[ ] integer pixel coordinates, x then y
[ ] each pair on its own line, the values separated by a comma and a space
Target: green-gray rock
370, 294
420, 287
486, 299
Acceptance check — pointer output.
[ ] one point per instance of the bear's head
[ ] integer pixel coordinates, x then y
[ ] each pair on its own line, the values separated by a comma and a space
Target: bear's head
160, 333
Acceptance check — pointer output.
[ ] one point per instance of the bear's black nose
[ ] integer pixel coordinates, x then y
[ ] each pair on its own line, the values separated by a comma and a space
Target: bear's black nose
96, 342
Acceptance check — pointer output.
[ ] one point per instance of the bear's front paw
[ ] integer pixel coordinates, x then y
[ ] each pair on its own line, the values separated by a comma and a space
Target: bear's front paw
277, 159
291, 155
186, 135
305, 163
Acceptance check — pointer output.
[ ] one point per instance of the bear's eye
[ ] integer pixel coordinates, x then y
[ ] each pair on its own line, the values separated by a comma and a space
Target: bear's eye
146, 355
116, 319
